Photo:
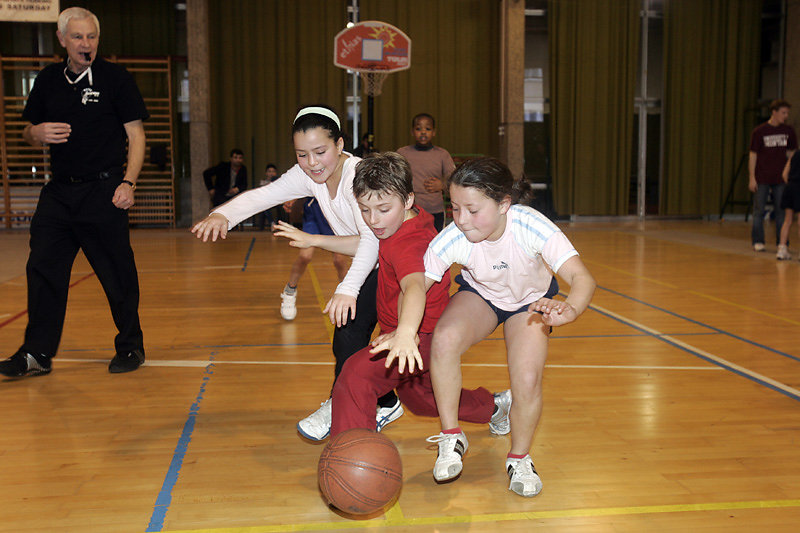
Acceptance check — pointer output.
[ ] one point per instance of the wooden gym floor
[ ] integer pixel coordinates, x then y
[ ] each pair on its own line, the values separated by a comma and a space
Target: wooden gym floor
673, 404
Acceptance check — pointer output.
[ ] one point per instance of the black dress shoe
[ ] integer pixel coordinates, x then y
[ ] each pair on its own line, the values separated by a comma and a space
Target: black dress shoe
23, 364
126, 362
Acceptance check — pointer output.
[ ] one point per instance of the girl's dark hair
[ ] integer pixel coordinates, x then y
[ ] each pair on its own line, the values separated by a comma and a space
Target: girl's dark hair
493, 178
315, 120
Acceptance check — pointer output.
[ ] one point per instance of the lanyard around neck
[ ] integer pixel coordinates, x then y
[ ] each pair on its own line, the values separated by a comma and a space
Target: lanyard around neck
80, 77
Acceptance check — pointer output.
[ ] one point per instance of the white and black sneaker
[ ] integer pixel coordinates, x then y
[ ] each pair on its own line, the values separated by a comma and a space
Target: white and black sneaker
452, 448
524, 479
387, 415
499, 424
23, 364
317, 425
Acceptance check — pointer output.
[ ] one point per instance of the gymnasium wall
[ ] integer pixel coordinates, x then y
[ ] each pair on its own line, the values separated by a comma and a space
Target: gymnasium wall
267, 58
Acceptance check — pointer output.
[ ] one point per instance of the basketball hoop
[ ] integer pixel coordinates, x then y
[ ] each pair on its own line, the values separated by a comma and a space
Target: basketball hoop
373, 81
373, 48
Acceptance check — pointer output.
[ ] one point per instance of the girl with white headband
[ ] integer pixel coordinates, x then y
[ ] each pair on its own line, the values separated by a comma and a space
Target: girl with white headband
325, 171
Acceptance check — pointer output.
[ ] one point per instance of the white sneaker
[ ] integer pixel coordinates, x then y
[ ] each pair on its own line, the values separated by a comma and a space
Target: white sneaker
451, 449
759, 247
499, 424
783, 252
288, 305
524, 479
317, 425
387, 415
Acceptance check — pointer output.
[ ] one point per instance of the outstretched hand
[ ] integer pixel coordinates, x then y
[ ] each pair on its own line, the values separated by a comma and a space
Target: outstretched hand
297, 238
214, 225
404, 349
554, 312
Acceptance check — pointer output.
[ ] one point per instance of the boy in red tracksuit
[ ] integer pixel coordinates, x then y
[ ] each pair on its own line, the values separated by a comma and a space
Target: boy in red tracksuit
395, 360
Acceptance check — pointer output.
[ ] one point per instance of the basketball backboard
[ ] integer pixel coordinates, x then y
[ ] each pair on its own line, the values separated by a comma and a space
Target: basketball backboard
371, 46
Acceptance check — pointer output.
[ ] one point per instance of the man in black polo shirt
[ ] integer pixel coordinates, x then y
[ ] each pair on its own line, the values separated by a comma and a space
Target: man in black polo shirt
86, 110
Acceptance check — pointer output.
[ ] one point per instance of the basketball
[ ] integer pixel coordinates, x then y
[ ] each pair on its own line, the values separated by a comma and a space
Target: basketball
360, 471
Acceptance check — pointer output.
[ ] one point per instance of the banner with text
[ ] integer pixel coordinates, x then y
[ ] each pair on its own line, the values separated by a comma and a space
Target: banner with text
29, 10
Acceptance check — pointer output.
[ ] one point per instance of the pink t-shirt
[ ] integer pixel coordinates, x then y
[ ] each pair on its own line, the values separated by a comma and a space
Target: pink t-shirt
433, 163
514, 270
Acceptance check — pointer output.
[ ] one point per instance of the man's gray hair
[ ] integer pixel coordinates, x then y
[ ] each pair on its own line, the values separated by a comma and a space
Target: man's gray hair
78, 13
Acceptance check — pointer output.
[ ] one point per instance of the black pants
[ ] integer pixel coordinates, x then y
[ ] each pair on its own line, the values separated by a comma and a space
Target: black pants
69, 217
356, 333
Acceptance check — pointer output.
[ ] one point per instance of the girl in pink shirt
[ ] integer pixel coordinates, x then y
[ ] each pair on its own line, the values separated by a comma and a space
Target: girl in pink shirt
509, 254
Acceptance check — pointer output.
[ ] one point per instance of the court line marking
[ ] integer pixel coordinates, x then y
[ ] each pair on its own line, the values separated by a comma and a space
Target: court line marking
696, 293
25, 311
321, 300
164, 497
507, 517
631, 274
249, 251
698, 323
327, 343
201, 364
702, 354
744, 307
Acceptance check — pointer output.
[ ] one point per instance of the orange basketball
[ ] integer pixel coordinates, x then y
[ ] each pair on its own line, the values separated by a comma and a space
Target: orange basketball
360, 471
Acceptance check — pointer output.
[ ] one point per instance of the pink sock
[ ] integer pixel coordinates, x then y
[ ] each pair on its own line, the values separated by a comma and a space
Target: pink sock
454, 431
515, 456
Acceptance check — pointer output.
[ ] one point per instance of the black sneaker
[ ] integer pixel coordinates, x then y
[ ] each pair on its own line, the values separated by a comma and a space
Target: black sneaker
126, 362
23, 364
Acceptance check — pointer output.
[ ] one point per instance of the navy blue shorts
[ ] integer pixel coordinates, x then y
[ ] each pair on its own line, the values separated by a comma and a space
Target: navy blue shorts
314, 221
503, 315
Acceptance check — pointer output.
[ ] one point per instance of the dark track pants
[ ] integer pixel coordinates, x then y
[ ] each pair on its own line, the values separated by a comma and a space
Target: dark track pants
355, 334
69, 217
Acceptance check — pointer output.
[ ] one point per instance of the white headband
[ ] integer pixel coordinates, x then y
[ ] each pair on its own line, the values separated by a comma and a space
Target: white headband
319, 111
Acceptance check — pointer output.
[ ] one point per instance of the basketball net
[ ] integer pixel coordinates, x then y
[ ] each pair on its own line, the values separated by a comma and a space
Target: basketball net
373, 81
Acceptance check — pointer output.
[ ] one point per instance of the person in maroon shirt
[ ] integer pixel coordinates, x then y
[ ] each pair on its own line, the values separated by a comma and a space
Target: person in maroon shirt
771, 145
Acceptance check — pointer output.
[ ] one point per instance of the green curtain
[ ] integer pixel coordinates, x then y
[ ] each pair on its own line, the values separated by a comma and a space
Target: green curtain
594, 48
454, 73
267, 59
711, 60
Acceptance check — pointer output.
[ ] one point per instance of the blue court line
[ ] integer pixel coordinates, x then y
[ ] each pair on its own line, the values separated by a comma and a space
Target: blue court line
165, 496
249, 251
701, 324
720, 363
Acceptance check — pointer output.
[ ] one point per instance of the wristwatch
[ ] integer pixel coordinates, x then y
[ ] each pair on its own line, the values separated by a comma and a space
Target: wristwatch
132, 184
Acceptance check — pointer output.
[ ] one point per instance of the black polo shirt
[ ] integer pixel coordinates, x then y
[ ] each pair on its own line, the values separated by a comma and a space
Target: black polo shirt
96, 112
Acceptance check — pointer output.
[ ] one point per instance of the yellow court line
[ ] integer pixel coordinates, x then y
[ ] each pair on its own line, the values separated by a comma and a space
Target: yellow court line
746, 308
506, 517
320, 299
627, 273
